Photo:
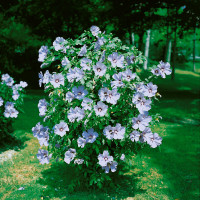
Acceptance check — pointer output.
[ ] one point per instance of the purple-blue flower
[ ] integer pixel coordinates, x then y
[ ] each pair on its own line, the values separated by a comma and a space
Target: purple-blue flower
117, 80
76, 114
112, 165
116, 60
95, 30
61, 128
154, 140
99, 69
57, 80
104, 158
164, 69
86, 63
70, 155
150, 90
65, 61
141, 122
79, 92
100, 109
43, 51
43, 156
135, 136
83, 51
87, 103
90, 135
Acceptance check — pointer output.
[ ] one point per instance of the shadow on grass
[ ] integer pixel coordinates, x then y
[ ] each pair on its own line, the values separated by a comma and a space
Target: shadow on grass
13, 141
178, 161
57, 179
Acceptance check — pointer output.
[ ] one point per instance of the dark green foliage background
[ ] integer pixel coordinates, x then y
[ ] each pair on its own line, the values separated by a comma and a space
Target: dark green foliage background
28, 24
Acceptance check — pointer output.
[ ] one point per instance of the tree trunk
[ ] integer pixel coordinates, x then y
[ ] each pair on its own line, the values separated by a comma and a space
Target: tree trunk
146, 53
169, 40
174, 49
194, 41
168, 50
132, 38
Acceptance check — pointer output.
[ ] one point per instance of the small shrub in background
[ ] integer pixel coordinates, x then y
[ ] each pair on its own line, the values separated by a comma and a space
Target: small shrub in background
11, 100
98, 111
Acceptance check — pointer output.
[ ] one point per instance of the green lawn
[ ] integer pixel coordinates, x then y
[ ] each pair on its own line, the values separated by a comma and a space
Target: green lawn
169, 172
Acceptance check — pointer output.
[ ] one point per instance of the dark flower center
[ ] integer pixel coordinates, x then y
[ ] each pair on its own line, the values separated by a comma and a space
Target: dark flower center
98, 69
90, 137
61, 129
114, 60
57, 80
99, 109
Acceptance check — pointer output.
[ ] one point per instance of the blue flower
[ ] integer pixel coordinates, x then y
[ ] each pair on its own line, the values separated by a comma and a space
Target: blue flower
99, 69
164, 69
42, 106
79, 92
12, 113
143, 105
110, 96
61, 128
15, 95
59, 44
128, 75
69, 96
65, 61
113, 96
150, 90
83, 51
104, 158
43, 139
78, 161
57, 80
135, 136
146, 135
70, 155
90, 135
141, 122
76, 114
95, 30
87, 103
154, 140
156, 72
118, 131
81, 142
100, 109
85, 63
75, 74
99, 43
108, 132
9, 105
43, 51
116, 60
23, 84
112, 165
117, 80
130, 59
43, 156
1, 101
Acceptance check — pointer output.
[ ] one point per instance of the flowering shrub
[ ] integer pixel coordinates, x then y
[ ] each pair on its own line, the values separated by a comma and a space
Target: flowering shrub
97, 111
11, 98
